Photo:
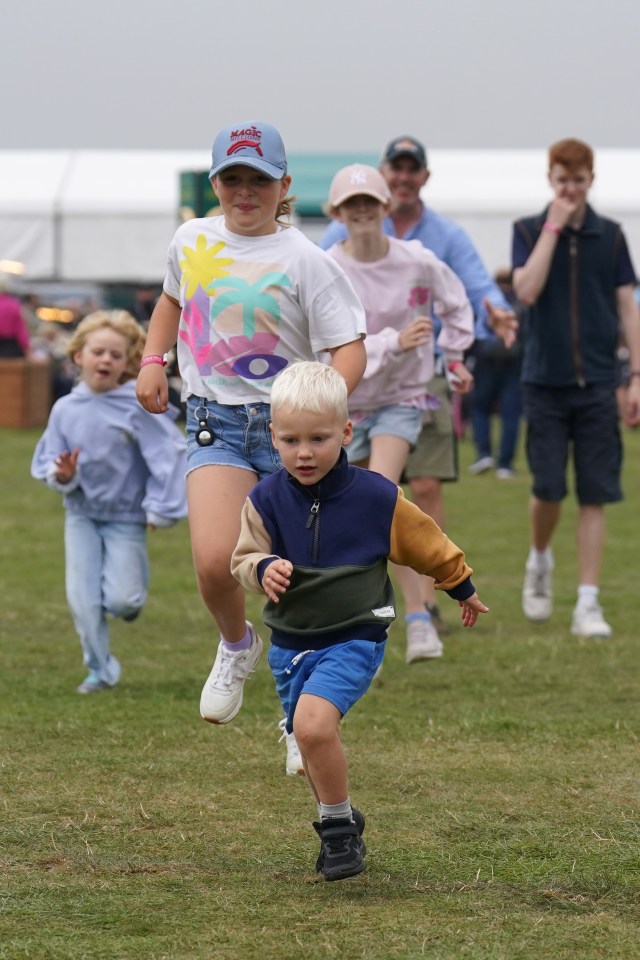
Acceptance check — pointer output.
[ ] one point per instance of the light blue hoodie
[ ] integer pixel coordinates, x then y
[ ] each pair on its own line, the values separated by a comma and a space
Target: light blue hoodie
131, 465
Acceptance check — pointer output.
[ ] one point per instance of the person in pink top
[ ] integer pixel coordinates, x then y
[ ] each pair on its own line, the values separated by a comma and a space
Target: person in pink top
400, 284
14, 334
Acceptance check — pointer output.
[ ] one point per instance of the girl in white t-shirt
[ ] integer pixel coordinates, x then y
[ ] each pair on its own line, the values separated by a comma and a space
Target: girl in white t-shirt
400, 284
244, 295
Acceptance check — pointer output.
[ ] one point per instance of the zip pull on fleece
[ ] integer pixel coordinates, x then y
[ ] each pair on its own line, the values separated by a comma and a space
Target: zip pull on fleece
315, 506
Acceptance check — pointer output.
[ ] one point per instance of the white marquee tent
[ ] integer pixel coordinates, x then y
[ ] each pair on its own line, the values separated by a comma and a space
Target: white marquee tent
108, 216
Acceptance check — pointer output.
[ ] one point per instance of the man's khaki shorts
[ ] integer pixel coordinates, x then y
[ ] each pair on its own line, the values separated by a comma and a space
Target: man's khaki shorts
436, 452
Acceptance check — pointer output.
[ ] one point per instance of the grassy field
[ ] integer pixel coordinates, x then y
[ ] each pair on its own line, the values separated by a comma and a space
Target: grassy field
500, 783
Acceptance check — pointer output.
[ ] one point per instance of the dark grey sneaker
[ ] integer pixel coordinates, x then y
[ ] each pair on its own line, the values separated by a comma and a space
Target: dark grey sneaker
436, 618
342, 849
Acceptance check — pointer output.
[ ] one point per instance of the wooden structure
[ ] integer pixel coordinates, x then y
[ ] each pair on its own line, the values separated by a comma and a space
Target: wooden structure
25, 393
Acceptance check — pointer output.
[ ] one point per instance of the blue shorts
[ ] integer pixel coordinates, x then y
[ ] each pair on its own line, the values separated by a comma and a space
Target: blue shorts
241, 437
392, 421
580, 420
340, 674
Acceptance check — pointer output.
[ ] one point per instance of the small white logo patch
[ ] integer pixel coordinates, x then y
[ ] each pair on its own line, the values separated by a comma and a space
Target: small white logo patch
384, 612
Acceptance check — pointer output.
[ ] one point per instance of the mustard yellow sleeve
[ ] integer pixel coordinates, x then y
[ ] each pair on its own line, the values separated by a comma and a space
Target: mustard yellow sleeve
418, 542
254, 545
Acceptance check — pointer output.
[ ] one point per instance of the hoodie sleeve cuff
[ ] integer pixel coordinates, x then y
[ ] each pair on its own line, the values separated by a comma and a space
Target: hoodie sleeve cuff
56, 485
463, 590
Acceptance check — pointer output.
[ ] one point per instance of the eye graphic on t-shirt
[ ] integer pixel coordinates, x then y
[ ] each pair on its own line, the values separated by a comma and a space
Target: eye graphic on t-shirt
252, 358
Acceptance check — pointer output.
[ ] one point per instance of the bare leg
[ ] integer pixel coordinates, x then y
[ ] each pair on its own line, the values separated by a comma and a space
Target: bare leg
590, 539
388, 457
427, 494
316, 726
543, 519
216, 496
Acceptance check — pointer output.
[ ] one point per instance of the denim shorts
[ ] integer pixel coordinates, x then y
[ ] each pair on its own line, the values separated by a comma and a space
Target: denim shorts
241, 437
582, 421
392, 421
340, 674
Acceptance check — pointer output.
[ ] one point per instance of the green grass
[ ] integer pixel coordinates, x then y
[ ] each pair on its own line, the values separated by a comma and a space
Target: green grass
500, 784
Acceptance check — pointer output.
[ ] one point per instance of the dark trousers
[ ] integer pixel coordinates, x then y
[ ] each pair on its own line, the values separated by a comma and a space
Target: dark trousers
496, 388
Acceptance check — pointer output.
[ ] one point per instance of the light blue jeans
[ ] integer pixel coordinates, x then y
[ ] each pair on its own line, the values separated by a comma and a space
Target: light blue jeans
106, 573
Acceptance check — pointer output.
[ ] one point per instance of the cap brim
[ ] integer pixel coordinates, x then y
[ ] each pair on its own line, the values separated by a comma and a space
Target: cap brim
334, 204
269, 169
396, 154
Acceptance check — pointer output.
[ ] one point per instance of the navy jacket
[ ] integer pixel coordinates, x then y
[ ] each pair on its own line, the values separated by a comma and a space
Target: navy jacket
338, 535
571, 332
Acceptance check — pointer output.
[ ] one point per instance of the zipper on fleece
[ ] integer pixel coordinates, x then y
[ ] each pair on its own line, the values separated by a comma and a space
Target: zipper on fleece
314, 518
574, 308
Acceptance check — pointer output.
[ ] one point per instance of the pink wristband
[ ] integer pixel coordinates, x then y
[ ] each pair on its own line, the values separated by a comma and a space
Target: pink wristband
551, 228
153, 358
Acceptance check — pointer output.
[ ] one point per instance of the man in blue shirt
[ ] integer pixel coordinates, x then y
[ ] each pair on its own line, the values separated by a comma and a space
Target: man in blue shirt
404, 167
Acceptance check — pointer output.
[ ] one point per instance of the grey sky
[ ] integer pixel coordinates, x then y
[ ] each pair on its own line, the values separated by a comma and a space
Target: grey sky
338, 74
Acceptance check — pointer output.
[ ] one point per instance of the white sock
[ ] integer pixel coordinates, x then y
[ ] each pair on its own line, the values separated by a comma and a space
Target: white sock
587, 594
540, 559
335, 810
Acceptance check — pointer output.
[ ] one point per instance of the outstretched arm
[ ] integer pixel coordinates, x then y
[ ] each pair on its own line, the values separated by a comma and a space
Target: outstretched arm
471, 607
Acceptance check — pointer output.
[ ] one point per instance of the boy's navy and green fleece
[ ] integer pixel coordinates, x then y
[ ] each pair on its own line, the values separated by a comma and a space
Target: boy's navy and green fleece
339, 535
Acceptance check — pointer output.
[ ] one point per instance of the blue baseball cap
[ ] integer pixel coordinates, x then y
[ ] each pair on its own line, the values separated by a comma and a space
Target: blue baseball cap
256, 144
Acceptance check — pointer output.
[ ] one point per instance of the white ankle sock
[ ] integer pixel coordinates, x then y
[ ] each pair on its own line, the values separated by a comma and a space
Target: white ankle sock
540, 559
587, 594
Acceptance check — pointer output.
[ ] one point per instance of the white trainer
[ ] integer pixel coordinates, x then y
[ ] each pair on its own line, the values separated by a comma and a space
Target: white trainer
482, 465
423, 642
588, 621
537, 594
221, 696
294, 766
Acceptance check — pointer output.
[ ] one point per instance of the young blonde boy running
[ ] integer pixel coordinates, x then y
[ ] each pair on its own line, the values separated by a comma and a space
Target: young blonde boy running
315, 538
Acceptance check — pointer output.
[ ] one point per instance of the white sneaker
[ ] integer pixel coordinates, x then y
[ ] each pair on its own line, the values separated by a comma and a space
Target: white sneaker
482, 465
588, 621
294, 766
221, 696
505, 473
537, 595
423, 642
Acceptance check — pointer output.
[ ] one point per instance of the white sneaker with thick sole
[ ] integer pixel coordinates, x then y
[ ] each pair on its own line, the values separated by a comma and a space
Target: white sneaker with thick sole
221, 696
588, 621
423, 642
294, 766
482, 465
537, 594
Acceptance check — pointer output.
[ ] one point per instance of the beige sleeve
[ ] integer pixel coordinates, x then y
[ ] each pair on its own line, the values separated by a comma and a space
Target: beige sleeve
418, 542
254, 545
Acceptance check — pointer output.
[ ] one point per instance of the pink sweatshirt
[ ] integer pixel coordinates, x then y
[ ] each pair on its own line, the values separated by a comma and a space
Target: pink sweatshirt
408, 282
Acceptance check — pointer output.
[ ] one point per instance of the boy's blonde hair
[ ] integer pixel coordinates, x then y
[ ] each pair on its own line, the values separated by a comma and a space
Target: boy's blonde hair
308, 385
121, 322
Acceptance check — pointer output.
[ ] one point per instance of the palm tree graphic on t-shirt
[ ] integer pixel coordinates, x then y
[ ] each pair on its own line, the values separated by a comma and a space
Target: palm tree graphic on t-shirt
252, 297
